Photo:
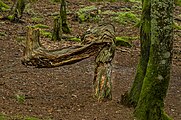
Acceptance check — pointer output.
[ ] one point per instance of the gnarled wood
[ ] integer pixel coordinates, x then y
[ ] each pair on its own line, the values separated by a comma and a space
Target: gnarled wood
36, 55
98, 42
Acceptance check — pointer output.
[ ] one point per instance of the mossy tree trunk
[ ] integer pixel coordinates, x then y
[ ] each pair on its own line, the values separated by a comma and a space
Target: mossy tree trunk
145, 28
17, 12
63, 15
151, 101
57, 29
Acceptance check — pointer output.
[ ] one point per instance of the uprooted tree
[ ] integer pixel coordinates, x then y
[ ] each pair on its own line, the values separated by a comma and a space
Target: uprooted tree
99, 43
153, 73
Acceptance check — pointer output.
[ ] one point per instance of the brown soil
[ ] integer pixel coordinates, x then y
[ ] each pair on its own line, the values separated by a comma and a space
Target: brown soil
65, 93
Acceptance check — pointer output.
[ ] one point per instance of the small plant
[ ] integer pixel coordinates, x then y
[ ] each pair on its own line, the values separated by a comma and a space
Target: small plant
20, 98
2, 34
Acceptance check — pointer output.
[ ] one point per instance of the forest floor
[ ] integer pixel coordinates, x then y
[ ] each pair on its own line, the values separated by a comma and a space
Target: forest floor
65, 93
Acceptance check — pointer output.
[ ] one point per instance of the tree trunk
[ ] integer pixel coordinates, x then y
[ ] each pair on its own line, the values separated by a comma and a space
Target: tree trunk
151, 101
17, 12
103, 70
145, 28
57, 29
63, 15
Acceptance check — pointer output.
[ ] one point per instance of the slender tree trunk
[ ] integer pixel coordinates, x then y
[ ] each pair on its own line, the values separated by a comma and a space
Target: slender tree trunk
131, 98
17, 12
151, 101
63, 15
57, 29
145, 25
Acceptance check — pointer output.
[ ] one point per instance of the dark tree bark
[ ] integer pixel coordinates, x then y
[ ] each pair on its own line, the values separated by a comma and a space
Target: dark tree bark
17, 12
151, 101
57, 29
63, 15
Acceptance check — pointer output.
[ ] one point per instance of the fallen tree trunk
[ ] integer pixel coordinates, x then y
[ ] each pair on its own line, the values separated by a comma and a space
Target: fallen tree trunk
98, 42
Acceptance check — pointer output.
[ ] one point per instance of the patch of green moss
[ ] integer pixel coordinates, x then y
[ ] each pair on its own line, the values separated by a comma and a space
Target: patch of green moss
11, 17
37, 19
41, 26
125, 41
3, 6
126, 17
87, 13
75, 39
46, 34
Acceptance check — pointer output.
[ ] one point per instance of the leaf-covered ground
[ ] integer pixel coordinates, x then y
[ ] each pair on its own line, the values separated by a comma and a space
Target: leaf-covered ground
65, 93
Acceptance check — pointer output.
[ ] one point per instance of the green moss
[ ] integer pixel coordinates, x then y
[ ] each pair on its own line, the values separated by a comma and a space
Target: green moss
85, 14
37, 19
126, 17
75, 39
11, 17
3, 6
125, 41
46, 34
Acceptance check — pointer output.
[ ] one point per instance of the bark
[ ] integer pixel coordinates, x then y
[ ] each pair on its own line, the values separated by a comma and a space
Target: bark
102, 78
57, 29
95, 43
38, 56
145, 28
151, 102
17, 12
63, 15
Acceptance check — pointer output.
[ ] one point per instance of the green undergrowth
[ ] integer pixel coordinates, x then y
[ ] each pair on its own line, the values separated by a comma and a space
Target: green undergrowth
44, 32
126, 17
87, 14
3, 6
125, 41
37, 19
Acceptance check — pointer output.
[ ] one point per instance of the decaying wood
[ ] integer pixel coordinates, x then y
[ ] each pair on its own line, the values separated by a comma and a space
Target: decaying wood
97, 42
102, 74
36, 55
